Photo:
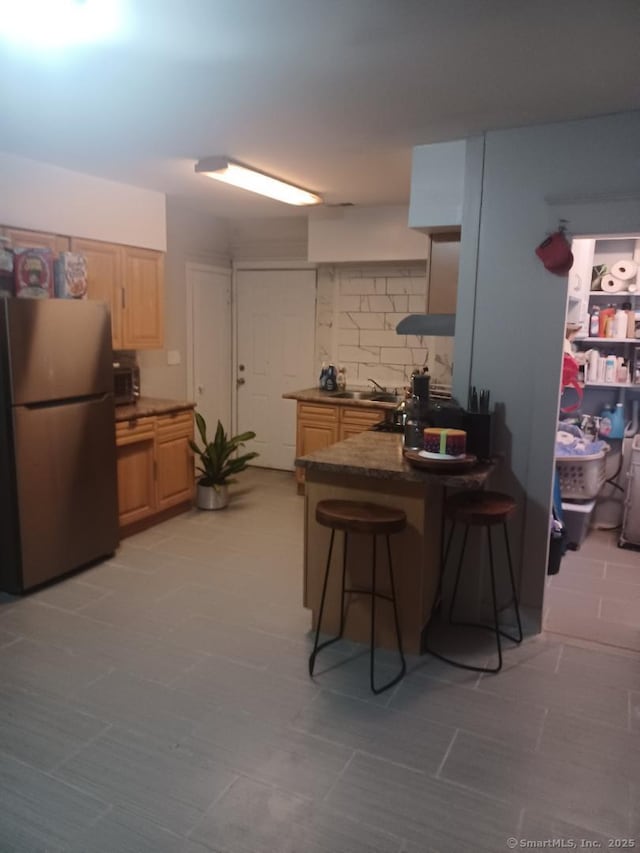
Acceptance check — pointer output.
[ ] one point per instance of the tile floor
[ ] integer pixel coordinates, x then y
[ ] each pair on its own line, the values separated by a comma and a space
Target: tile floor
160, 703
596, 594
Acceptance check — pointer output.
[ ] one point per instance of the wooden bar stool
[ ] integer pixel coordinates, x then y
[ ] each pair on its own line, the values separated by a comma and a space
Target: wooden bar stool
481, 509
374, 520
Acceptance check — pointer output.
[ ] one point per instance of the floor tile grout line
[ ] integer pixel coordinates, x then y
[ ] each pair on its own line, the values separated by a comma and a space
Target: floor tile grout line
347, 764
107, 726
538, 744
188, 834
556, 668
438, 772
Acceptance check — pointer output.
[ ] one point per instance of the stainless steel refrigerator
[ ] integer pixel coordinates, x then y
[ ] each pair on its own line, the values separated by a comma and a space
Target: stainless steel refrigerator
58, 481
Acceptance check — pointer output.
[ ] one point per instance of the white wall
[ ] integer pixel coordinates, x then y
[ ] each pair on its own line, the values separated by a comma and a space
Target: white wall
356, 234
42, 197
517, 187
359, 307
282, 238
437, 185
191, 236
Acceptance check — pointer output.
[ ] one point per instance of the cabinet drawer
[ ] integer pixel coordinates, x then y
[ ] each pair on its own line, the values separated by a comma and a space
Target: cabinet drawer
134, 430
320, 412
175, 424
364, 417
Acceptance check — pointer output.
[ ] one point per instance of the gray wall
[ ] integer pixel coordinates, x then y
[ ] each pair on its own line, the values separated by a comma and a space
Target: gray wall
191, 236
517, 185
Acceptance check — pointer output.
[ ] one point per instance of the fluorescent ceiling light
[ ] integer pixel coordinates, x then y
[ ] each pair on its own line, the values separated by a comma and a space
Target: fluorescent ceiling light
229, 172
58, 23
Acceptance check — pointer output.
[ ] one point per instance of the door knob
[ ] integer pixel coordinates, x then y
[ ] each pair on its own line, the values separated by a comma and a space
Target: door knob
240, 381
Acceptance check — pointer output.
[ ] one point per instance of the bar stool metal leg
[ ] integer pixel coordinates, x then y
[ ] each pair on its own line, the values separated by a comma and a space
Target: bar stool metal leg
516, 607
494, 599
317, 647
374, 595
458, 571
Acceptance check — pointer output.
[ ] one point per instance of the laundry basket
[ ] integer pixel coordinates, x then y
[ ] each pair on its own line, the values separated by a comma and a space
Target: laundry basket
581, 477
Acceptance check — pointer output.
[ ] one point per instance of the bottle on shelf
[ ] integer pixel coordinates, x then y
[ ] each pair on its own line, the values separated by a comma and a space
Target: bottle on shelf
610, 369
620, 323
594, 322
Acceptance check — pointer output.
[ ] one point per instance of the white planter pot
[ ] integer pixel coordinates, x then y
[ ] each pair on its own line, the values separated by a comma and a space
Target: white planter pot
209, 497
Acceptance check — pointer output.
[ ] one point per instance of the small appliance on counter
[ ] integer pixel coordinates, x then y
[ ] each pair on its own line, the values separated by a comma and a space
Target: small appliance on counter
126, 380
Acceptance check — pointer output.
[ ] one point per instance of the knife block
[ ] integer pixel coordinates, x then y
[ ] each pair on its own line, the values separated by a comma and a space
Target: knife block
479, 427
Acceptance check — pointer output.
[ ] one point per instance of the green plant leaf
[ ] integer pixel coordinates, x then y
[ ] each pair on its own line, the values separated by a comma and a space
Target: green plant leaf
202, 427
216, 458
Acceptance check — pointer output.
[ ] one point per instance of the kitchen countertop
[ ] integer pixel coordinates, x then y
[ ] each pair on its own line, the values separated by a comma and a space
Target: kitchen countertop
148, 406
379, 455
315, 395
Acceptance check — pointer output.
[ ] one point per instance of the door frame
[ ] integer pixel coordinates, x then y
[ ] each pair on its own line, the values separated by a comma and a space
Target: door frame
256, 266
189, 268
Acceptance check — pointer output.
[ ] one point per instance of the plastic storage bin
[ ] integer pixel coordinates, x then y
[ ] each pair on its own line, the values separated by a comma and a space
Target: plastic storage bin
581, 477
577, 517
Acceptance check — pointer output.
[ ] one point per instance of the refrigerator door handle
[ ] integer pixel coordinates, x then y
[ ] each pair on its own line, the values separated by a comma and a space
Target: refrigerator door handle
53, 404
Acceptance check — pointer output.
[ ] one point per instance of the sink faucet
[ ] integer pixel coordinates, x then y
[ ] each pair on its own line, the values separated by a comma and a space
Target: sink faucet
377, 385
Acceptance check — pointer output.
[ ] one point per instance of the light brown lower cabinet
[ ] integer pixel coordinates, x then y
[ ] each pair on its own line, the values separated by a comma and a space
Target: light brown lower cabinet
321, 425
155, 468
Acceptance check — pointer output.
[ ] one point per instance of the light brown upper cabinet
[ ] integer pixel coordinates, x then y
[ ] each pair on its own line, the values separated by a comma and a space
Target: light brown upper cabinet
130, 281
104, 278
444, 259
22, 239
142, 311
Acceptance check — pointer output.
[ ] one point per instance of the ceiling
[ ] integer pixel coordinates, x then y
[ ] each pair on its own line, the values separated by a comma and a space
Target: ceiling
331, 94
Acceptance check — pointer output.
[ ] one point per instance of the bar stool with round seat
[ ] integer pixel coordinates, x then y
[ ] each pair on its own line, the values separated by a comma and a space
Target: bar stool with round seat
481, 509
374, 520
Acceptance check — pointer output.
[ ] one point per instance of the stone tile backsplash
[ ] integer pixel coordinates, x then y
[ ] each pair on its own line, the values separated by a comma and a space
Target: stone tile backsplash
357, 313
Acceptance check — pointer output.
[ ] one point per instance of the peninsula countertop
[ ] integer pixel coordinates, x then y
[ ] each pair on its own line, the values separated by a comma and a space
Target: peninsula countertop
315, 395
379, 456
149, 406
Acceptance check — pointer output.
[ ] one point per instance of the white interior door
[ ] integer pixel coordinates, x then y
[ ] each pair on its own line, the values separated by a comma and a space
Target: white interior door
275, 344
209, 289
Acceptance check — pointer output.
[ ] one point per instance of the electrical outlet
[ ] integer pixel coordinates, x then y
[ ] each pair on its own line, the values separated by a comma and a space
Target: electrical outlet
173, 356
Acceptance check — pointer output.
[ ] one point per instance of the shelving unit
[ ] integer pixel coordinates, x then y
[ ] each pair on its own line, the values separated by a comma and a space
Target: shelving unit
627, 385
581, 300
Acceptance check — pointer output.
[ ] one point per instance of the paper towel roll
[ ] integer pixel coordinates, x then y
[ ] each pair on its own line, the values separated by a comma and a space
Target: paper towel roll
624, 270
611, 284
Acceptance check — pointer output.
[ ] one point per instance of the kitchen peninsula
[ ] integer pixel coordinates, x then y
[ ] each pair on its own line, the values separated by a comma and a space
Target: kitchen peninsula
371, 467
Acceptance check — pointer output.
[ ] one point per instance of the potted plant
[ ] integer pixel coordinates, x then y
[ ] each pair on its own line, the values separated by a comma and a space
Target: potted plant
218, 464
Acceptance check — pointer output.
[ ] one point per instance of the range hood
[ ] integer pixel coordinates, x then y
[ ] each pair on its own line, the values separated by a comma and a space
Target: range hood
428, 324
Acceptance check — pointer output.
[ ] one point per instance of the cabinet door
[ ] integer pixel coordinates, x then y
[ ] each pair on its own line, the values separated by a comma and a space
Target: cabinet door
104, 279
175, 471
135, 443
443, 273
22, 239
317, 427
143, 299
354, 420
